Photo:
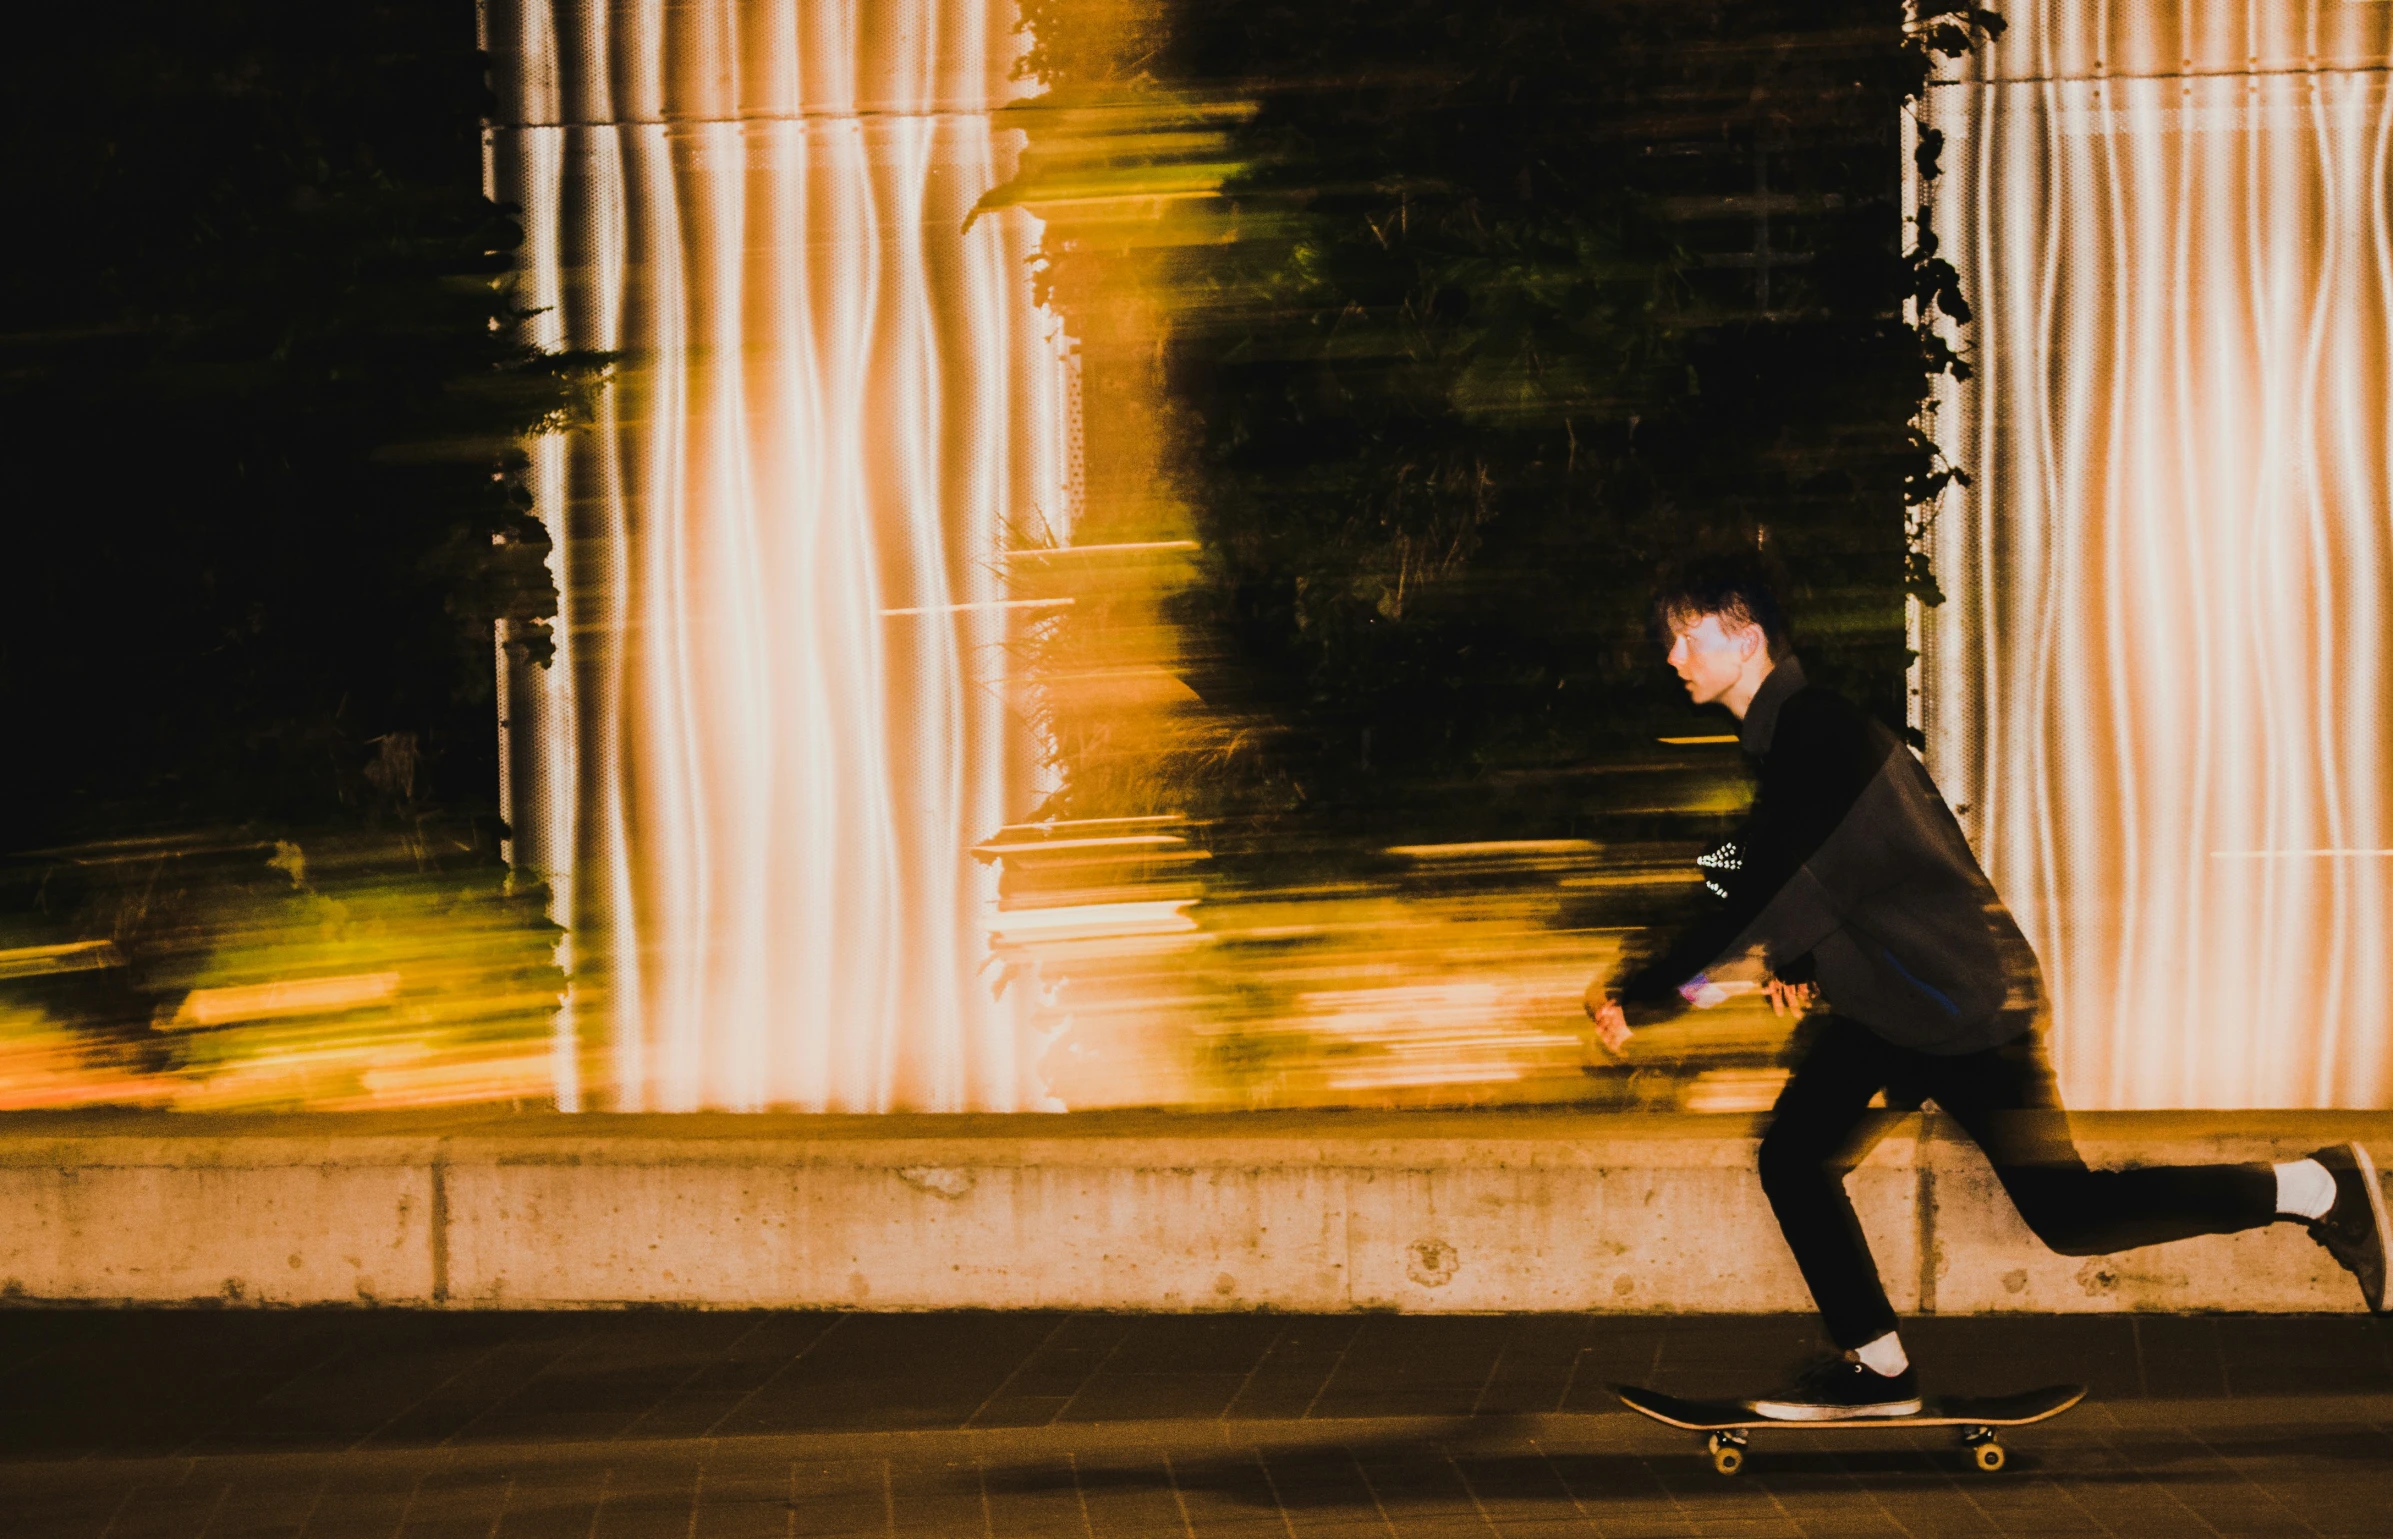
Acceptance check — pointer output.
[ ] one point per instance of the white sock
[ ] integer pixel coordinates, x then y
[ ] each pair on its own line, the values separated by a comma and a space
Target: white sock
2305, 1189
1884, 1356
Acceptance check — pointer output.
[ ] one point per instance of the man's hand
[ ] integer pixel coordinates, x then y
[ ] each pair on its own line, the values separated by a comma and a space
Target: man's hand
1788, 998
1611, 1022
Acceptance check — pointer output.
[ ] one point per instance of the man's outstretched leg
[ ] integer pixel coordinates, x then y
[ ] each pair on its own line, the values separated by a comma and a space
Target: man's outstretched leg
2006, 1100
1810, 1146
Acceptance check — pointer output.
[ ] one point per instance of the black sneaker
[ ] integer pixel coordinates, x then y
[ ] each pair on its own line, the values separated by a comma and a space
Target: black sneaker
1837, 1387
2355, 1230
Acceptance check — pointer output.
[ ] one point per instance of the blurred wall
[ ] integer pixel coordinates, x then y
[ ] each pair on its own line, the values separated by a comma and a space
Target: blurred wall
2158, 690
777, 723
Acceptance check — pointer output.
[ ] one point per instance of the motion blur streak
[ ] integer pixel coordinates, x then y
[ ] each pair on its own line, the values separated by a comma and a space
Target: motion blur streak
301, 996
777, 723
2167, 635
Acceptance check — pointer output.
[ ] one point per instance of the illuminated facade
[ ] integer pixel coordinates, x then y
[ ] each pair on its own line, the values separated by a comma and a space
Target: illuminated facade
777, 724
2159, 690
779, 721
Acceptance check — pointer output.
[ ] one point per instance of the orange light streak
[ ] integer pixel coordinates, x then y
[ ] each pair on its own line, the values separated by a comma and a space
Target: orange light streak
1475, 849
2158, 695
837, 408
67, 957
295, 996
1119, 548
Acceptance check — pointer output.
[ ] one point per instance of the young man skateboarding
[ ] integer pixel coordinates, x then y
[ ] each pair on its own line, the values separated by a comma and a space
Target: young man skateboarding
1852, 875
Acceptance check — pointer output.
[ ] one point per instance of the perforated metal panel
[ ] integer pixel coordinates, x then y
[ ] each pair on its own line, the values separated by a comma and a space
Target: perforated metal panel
776, 724
2159, 689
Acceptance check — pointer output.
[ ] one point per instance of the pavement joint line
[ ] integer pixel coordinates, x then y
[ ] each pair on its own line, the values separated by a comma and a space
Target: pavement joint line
1552, 1432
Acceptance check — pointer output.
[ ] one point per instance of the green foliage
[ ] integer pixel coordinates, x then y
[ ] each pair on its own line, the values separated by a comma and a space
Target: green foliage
1501, 308
472, 958
443, 969
263, 378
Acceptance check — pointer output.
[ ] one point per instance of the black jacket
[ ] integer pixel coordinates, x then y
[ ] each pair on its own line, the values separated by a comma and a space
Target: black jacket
1852, 872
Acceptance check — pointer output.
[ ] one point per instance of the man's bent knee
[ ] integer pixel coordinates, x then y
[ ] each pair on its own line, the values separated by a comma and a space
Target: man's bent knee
2062, 1212
1791, 1164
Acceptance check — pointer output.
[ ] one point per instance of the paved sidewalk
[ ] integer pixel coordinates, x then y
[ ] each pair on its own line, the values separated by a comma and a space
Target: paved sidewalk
332, 1424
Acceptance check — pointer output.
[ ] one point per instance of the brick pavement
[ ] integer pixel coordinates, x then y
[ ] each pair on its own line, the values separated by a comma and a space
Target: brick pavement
342, 1424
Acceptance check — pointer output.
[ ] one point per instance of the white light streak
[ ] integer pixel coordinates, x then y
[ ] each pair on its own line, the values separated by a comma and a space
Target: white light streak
1082, 921
964, 609
1117, 842
2299, 854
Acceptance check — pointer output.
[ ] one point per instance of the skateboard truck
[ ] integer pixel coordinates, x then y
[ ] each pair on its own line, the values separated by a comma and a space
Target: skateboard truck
1984, 1445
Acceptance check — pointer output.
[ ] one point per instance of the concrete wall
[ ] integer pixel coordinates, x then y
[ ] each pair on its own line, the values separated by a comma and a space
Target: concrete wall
1488, 1211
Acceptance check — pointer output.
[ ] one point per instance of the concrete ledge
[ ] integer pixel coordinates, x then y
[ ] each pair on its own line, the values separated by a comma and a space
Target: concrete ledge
1133, 1211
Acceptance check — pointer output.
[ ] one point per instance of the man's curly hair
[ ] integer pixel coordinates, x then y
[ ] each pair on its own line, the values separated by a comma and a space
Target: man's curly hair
1740, 587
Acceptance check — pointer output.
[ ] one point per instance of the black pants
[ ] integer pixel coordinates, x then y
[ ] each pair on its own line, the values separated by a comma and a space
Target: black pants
2006, 1100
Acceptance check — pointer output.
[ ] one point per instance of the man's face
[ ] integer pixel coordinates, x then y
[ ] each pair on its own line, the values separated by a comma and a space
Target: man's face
1709, 654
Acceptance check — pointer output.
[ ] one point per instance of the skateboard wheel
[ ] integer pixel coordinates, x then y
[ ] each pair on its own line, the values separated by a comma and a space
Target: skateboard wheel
1728, 1455
1989, 1455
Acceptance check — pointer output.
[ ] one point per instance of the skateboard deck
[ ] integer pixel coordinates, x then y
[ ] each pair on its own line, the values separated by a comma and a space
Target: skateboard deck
1977, 1417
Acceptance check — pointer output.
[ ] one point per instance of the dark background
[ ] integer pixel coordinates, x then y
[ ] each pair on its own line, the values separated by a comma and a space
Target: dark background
1507, 307
1520, 302
261, 381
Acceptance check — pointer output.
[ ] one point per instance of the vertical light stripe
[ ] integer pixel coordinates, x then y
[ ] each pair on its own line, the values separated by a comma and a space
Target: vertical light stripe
759, 788
2166, 643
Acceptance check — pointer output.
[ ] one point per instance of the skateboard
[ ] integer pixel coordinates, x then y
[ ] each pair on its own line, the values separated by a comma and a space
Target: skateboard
1978, 1418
